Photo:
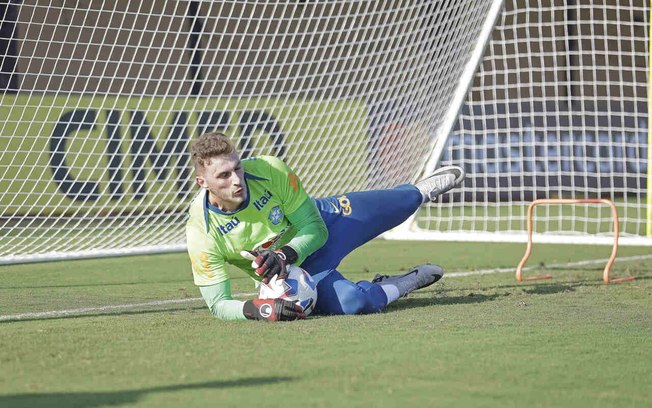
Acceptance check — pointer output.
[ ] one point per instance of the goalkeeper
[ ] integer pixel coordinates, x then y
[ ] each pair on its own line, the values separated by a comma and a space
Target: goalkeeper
257, 210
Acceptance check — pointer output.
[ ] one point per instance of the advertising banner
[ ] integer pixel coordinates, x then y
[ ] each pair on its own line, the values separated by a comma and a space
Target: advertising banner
116, 154
536, 150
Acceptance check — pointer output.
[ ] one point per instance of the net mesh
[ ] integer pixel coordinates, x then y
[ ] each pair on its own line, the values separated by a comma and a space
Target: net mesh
558, 109
101, 99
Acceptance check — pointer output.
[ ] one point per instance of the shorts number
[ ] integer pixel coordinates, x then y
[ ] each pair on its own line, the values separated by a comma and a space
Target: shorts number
345, 204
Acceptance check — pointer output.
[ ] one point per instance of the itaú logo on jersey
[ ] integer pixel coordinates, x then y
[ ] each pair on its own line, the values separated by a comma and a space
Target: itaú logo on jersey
229, 226
264, 199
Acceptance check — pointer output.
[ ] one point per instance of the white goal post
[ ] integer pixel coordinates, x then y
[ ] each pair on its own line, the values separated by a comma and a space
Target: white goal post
100, 100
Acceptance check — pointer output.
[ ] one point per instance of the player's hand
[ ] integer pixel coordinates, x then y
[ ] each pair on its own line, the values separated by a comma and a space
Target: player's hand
268, 263
273, 310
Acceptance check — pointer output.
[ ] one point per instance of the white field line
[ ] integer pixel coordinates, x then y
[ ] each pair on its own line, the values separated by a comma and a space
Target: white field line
86, 310
548, 266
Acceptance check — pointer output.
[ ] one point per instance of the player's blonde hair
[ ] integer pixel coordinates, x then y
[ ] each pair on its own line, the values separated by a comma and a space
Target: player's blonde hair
208, 146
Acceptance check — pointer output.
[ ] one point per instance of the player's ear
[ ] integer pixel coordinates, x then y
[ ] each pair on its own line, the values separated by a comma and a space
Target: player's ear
201, 182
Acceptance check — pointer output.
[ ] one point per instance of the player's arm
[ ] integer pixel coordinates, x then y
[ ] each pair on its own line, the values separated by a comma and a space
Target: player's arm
304, 216
209, 271
311, 231
311, 235
219, 301
210, 274
301, 212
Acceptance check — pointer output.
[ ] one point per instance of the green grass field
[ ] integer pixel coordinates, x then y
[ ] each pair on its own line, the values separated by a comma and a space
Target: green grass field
482, 339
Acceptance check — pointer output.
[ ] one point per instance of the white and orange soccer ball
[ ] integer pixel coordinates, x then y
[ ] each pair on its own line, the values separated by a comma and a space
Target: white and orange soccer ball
298, 287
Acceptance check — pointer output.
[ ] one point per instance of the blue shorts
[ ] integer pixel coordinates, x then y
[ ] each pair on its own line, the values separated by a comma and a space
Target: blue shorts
353, 219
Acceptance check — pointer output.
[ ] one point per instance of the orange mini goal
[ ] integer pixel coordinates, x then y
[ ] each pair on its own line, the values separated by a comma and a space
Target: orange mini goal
528, 250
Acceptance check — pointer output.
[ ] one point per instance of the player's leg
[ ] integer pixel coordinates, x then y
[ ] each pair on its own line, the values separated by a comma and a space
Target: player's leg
355, 218
337, 295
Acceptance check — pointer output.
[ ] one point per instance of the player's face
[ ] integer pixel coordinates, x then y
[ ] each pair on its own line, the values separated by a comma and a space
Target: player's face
224, 179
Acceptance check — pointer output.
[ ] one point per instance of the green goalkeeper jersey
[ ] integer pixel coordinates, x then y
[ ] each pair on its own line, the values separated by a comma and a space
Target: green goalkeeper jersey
215, 237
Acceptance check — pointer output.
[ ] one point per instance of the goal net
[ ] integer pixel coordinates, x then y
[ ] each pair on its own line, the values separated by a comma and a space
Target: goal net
100, 100
558, 109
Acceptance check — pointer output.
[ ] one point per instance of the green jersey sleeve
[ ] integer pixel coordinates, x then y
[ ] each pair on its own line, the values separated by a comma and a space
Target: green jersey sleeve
311, 230
218, 299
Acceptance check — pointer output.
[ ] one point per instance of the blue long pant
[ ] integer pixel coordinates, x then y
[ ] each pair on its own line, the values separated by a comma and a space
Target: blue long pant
353, 219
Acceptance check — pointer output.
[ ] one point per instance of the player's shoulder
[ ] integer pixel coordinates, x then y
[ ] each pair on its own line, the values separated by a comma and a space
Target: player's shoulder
197, 202
196, 217
264, 166
198, 238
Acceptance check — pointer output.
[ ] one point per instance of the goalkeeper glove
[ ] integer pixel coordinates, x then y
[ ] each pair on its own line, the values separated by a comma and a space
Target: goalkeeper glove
268, 263
272, 310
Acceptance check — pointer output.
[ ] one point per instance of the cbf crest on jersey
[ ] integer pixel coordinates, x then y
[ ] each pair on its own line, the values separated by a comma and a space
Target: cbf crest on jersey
276, 215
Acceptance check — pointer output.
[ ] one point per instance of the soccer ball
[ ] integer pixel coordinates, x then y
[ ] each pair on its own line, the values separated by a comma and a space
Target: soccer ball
298, 287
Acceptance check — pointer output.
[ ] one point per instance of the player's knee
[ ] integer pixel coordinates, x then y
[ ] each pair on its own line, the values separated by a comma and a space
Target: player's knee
352, 299
358, 299
337, 295
376, 298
